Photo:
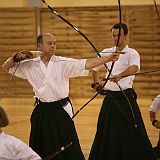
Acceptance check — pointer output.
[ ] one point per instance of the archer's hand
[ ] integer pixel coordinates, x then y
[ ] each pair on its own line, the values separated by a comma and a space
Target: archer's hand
22, 55
98, 88
115, 78
115, 56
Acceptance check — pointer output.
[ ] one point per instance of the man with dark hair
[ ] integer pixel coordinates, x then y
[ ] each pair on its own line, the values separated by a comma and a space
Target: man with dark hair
51, 121
12, 148
122, 25
121, 133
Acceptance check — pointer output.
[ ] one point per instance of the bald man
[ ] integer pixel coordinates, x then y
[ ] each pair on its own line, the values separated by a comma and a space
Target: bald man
52, 126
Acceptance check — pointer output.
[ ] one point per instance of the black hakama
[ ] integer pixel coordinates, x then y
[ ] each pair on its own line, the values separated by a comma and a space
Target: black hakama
52, 128
117, 137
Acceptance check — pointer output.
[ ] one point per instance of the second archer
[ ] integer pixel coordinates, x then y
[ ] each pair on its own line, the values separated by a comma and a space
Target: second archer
121, 133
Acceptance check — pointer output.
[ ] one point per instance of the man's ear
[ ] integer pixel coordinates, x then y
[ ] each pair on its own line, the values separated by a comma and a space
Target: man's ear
38, 45
126, 35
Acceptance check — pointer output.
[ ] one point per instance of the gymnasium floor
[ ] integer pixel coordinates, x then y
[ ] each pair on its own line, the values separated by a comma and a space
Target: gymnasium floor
19, 111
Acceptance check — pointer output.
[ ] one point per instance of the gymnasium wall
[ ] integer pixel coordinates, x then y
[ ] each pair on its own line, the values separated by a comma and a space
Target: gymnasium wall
71, 3
18, 31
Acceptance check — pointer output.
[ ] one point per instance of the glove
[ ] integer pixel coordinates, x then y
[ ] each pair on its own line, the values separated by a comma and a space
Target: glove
98, 88
22, 55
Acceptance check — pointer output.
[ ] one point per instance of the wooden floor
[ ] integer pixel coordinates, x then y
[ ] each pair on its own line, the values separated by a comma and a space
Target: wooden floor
19, 111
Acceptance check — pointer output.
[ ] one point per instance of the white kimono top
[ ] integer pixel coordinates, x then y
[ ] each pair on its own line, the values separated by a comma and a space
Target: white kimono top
51, 83
155, 106
129, 58
12, 148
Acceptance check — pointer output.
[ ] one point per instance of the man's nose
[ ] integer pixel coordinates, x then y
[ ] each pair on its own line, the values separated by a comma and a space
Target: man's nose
116, 37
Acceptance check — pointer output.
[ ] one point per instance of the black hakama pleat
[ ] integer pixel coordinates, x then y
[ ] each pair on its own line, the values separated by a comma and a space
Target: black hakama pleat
52, 128
117, 137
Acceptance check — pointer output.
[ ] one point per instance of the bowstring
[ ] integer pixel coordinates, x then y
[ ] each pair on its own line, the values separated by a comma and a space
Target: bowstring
75, 28
8, 82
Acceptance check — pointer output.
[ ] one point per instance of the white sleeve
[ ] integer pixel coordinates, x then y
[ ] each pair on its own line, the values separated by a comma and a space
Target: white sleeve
74, 68
98, 68
18, 71
135, 58
103, 53
23, 151
155, 106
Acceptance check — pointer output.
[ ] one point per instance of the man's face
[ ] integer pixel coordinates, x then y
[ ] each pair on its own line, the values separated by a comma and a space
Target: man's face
48, 45
122, 40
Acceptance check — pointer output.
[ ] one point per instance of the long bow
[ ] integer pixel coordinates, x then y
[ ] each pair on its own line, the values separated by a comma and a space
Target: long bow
92, 45
126, 97
108, 77
112, 65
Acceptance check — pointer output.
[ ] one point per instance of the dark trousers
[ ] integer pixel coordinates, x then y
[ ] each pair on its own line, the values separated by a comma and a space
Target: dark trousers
51, 129
121, 134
